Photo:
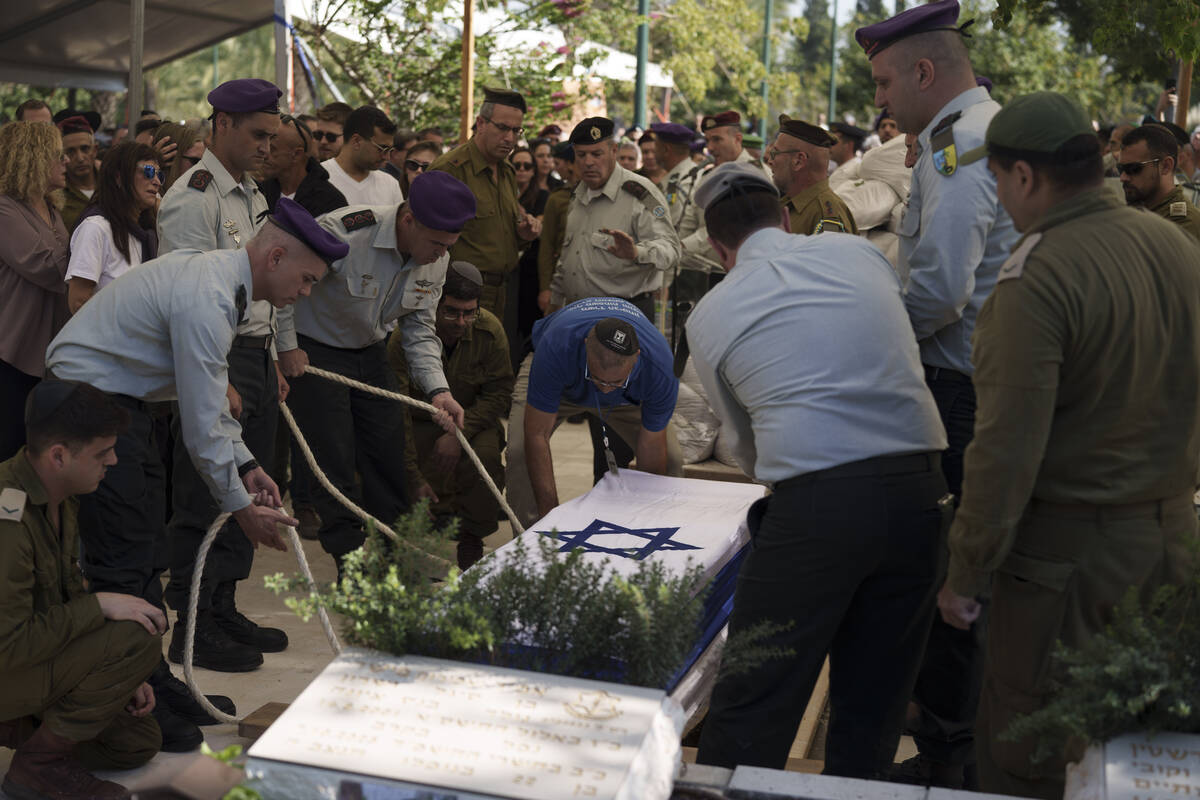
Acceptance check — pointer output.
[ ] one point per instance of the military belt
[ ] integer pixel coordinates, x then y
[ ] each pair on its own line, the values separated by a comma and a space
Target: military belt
944, 374
879, 465
254, 342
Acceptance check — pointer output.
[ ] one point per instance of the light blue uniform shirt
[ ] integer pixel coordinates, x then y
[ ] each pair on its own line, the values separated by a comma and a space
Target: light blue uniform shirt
953, 239
809, 359
354, 305
224, 215
163, 332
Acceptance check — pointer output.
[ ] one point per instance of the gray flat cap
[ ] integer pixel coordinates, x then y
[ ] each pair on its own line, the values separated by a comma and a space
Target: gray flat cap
734, 177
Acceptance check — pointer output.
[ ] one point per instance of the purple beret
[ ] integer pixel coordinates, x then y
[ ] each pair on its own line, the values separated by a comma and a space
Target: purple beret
440, 201
673, 132
986, 83
938, 16
293, 218
244, 95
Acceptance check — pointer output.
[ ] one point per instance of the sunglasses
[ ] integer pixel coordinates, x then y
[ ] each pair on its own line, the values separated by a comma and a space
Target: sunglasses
523, 166
151, 172
1134, 167
326, 135
413, 164
382, 148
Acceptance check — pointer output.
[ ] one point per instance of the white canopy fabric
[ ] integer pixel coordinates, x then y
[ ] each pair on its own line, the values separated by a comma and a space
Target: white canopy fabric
86, 43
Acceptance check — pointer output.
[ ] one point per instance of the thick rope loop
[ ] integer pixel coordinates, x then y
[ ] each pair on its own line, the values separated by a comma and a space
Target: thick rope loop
297, 546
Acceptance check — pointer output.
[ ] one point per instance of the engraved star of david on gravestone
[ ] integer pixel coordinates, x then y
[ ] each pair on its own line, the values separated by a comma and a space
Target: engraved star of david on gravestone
657, 540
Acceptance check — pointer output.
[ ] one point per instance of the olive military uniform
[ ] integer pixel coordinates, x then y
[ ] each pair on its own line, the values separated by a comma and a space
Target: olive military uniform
1177, 209
480, 374
60, 659
490, 240
818, 209
1079, 480
74, 202
554, 228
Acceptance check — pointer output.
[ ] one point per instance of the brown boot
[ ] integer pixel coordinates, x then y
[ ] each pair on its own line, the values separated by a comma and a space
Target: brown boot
14, 732
43, 768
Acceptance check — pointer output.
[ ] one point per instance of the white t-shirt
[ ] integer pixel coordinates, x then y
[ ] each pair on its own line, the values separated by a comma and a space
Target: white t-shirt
94, 255
377, 189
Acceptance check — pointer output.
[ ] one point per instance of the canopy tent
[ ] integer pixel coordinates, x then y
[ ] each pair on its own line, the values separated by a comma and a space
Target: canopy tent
89, 44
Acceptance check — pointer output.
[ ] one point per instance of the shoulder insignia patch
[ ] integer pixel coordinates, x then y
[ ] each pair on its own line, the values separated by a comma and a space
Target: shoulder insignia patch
829, 225
200, 180
636, 189
12, 504
659, 211
1014, 267
359, 219
1178, 209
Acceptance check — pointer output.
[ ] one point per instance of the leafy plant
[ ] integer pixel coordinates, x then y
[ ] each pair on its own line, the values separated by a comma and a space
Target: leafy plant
559, 613
229, 756
1141, 674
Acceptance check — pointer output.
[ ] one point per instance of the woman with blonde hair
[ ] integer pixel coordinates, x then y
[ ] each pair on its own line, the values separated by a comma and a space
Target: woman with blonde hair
189, 149
33, 261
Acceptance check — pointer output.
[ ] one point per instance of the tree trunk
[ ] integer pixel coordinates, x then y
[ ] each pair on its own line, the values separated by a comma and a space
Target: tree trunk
1183, 91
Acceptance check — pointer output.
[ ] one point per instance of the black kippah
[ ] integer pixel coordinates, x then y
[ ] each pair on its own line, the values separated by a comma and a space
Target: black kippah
617, 335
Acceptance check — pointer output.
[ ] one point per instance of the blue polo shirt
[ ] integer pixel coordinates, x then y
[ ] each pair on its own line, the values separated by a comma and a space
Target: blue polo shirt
560, 355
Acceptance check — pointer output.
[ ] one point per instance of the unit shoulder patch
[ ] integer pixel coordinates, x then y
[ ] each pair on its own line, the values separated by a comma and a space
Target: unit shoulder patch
1178, 209
636, 189
1014, 267
359, 219
200, 180
12, 504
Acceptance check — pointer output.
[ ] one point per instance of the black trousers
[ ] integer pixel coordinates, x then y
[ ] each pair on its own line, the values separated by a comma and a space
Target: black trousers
252, 374
352, 432
15, 386
850, 559
122, 531
951, 677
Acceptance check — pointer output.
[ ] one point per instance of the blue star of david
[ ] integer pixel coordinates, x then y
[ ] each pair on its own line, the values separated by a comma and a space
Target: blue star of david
657, 540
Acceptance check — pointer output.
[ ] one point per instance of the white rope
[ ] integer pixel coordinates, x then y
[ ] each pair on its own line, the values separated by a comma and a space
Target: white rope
517, 527
297, 546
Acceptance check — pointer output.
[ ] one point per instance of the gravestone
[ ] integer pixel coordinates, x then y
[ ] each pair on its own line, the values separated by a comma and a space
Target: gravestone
372, 725
1138, 766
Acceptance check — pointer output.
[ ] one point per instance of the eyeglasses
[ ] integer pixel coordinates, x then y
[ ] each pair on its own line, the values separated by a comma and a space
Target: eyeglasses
517, 131
301, 129
523, 166
1134, 167
383, 149
588, 376
326, 135
151, 172
413, 164
772, 153
451, 314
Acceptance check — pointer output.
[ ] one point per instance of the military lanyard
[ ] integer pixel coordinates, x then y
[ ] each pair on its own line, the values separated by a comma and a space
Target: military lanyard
608, 453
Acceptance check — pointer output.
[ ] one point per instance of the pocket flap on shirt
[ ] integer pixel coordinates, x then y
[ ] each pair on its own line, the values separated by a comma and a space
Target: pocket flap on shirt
1051, 574
362, 286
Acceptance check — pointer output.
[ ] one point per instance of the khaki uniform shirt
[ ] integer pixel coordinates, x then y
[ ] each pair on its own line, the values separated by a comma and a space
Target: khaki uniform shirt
678, 185
818, 209
693, 235
43, 605
554, 228
489, 241
479, 371
206, 209
627, 202
74, 202
1178, 210
1087, 372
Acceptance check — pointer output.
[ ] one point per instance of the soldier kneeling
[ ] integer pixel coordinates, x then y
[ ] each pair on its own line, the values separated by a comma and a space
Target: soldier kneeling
73, 665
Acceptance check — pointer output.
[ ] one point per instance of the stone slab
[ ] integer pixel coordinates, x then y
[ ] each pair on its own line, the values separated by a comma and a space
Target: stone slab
470, 730
758, 783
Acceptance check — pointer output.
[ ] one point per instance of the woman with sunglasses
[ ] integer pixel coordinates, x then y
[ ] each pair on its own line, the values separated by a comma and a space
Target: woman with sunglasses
116, 232
533, 198
33, 258
189, 149
419, 157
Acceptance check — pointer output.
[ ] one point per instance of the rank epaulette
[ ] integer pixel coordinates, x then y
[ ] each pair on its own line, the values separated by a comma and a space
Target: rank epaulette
636, 189
200, 180
826, 225
359, 219
1178, 209
12, 504
1014, 267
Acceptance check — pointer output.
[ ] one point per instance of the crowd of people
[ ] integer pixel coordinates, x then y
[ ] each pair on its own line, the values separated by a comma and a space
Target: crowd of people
961, 347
